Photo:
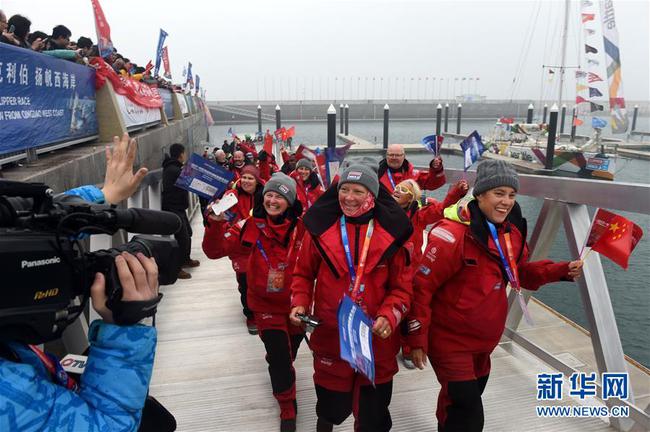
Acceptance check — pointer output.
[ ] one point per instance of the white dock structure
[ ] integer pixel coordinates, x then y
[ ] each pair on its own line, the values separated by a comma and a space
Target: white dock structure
211, 374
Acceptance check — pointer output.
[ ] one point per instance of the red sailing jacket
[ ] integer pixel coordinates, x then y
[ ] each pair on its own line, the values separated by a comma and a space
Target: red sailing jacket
307, 192
243, 210
236, 174
459, 301
428, 180
266, 292
432, 212
387, 277
267, 168
387, 283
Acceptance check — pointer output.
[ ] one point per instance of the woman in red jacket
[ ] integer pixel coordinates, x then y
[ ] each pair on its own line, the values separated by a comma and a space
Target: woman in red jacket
272, 236
408, 194
359, 217
308, 188
248, 190
460, 304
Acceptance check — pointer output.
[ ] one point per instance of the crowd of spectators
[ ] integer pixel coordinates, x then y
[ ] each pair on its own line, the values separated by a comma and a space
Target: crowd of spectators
59, 43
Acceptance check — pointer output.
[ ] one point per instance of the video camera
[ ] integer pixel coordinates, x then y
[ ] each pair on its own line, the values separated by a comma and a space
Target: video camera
45, 268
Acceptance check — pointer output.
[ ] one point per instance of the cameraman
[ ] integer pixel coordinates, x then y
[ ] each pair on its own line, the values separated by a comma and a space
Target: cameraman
114, 385
38, 395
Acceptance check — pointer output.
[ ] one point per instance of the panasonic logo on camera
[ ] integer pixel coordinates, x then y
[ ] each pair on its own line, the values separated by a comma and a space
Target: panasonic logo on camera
39, 263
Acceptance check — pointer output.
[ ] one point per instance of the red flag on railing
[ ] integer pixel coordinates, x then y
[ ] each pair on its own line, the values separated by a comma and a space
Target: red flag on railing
104, 43
613, 236
577, 122
291, 132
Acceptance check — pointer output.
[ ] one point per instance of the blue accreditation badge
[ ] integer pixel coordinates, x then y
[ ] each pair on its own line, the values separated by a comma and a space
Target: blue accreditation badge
355, 338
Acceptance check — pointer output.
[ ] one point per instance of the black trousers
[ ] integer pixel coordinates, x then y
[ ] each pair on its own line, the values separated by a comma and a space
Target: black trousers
465, 414
372, 414
183, 236
203, 203
243, 292
281, 350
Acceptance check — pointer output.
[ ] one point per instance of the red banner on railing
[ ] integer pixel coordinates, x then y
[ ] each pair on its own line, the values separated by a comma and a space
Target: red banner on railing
137, 92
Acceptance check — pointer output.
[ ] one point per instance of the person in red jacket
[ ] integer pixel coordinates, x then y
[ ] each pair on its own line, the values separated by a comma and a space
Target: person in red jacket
248, 190
273, 236
408, 195
395, 167
308, 188
460, 304
353, 206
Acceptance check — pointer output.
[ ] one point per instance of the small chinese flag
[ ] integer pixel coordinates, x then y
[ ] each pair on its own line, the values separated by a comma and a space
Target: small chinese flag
577, 122
268, 143
613, 236
280, 134
291, 132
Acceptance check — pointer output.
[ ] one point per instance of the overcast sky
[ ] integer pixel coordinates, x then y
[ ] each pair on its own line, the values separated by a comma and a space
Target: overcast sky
250, 49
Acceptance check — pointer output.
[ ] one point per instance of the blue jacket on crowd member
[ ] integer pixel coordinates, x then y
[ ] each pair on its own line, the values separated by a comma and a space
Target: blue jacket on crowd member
112, 389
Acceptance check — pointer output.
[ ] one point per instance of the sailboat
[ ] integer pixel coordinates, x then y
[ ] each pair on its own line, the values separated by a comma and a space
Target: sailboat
590, 158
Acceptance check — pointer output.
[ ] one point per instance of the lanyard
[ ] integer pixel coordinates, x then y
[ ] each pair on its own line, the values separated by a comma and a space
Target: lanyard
266, 257
55, 369
509, 264
390, 178
307, 196
356, 281
511, 269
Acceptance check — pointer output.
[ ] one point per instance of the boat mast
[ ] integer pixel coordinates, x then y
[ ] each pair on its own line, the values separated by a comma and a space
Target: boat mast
565, 35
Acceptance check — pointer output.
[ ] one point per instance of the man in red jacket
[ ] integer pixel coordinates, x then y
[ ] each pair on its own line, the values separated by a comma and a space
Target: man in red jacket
373, 222
459, 303
395, 168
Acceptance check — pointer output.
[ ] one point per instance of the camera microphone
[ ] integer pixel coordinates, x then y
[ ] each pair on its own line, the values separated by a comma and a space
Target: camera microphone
144, 221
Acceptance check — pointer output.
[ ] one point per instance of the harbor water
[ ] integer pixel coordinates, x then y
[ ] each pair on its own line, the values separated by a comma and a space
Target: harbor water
629, 290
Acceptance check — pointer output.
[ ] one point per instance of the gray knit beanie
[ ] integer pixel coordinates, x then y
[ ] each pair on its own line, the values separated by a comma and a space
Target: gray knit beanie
305, 163
282, 184
360, 174
492, 173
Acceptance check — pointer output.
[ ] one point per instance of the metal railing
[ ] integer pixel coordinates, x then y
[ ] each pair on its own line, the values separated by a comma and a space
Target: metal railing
241, 112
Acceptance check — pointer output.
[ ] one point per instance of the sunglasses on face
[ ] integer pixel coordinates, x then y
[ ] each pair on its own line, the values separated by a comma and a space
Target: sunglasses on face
403, 190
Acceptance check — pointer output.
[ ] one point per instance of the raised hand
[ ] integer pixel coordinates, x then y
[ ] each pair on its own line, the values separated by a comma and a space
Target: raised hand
120, 182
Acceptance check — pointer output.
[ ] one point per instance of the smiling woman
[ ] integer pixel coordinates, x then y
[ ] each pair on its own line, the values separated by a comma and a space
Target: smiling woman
459, 301
355, 246
269, 240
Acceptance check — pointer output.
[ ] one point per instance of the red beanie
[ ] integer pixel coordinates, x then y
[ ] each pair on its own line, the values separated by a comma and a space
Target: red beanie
252, 170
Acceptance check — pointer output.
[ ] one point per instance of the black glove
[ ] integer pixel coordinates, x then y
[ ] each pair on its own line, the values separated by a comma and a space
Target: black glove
131, 312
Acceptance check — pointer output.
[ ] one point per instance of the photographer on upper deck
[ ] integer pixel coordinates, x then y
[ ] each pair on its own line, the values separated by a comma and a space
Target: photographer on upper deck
37, 394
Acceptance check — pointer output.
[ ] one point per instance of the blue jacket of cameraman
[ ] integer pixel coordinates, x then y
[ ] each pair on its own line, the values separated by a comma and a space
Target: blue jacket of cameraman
112, 389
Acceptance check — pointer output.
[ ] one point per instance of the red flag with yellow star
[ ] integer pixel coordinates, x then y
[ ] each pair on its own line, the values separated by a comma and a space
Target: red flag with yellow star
613, 236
